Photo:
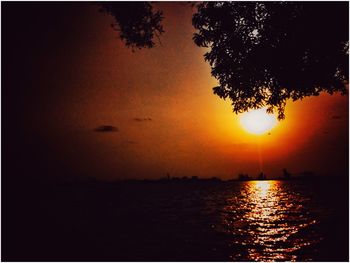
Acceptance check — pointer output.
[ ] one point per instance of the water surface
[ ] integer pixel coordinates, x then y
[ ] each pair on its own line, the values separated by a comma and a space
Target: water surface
184, 221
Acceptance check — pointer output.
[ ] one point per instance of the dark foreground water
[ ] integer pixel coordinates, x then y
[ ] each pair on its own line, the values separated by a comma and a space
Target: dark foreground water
184, 221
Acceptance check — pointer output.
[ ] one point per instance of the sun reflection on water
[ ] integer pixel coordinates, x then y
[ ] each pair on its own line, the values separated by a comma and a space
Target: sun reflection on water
262, 187
264, 221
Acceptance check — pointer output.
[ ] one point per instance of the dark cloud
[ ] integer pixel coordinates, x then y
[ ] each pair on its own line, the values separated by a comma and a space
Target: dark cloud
336, 117
142, 119
106, 128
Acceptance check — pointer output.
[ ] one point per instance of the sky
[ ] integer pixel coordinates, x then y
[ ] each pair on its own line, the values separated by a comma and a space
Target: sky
77, 102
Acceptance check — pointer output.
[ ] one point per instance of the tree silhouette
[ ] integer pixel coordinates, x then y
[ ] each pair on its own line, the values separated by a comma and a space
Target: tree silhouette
136, 22
263, 53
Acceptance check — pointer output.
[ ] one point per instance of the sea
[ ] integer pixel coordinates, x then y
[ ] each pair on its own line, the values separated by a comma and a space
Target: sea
265, 220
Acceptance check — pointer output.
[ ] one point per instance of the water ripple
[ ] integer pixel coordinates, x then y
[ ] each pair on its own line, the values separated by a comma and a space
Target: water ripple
266, 219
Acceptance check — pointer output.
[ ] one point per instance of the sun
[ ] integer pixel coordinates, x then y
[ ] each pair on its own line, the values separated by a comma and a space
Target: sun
258, 121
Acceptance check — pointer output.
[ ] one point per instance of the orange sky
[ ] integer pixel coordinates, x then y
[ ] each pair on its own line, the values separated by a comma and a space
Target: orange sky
95, 80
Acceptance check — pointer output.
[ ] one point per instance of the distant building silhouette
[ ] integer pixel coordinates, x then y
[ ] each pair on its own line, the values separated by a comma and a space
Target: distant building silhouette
286, 174
244, 177
261, 176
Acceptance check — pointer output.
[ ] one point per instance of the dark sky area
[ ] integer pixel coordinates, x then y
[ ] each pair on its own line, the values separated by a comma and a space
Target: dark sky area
76, 102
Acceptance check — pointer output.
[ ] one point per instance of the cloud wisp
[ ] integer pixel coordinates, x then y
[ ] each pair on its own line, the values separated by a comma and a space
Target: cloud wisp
142, 119
106, 128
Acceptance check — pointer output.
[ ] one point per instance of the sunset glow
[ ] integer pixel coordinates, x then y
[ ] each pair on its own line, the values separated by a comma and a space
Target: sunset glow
258, 121
175, 131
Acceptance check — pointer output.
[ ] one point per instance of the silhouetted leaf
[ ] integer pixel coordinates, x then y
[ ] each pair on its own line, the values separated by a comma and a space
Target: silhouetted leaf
263, 53
136, 22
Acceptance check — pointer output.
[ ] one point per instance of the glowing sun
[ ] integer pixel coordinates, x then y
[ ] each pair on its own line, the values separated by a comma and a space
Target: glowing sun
258, 121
